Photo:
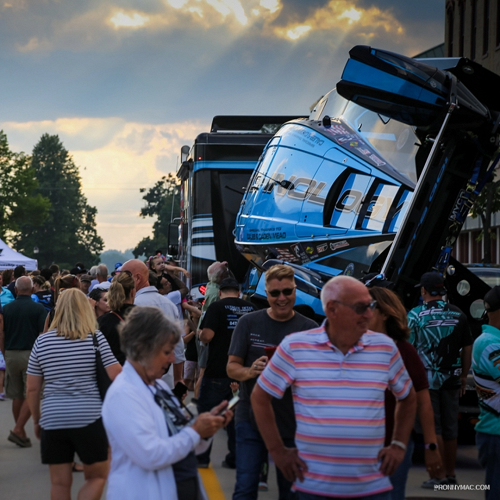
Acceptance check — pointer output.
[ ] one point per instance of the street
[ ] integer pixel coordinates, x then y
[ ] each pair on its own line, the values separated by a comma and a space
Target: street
23, 477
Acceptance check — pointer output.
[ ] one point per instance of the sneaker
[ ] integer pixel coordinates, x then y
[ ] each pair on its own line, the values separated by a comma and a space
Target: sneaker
2, 396
202, 465
430, 483
452, 479
228, 465
263, 486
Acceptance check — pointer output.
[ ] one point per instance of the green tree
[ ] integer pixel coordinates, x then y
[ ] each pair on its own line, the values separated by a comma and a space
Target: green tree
163, 202
69, 233
487, 203
18, 185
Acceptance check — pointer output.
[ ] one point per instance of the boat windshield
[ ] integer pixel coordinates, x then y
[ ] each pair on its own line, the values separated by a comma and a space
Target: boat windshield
396, 142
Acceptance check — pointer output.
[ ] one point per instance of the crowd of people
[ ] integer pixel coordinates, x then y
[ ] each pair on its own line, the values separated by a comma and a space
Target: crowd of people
336, 405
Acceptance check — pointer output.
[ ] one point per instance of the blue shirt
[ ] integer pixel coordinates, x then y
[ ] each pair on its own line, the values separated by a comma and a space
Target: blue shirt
486, 369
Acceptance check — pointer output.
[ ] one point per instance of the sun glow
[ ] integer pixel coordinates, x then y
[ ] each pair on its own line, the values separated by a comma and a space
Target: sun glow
123, 20
297, 32
352, 15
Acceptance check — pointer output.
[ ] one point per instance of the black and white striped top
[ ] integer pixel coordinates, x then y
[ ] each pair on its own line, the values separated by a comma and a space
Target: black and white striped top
70, 396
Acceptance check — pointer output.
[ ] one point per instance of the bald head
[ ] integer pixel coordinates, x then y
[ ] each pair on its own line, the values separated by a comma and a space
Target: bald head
24, 285
339, 287
139, 271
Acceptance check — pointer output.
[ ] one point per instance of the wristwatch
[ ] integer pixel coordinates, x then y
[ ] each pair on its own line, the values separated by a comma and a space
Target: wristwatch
431, 446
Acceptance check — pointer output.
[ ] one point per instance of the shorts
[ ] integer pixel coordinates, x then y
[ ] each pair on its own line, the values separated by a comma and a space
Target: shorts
445, 404
58, 446
2, 362
190, 370
16, 364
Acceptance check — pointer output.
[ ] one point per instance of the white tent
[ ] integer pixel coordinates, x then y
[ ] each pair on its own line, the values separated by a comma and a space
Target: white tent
9, 259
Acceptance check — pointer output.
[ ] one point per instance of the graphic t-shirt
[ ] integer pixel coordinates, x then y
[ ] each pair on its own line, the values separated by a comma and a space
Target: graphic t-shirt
222, 317
439, 331
486, 369
253, 332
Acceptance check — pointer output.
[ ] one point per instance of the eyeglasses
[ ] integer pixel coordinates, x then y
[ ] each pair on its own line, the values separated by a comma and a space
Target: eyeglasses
359, 308
127, 272
286, 292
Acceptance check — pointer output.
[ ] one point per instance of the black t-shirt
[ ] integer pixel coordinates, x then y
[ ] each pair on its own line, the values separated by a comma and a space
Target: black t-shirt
254, 332
191, 353
222, 317
108, 324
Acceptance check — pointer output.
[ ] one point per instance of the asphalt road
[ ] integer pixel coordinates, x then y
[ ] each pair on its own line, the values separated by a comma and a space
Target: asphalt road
23, 477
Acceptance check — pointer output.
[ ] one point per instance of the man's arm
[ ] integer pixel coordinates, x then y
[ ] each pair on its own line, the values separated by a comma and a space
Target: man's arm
426, 417
466, 357
237, 371
181, 286
287, 459
206, 335
404, 417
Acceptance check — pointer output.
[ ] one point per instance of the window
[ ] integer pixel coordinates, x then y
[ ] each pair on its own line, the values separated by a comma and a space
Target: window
473, 29
450, 32
486, 26
461, 40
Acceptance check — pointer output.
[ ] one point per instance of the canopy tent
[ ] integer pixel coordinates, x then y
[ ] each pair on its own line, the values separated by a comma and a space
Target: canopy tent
9, 259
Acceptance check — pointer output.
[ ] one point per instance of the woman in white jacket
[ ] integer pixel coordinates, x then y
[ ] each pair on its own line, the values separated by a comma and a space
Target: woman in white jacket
153, 440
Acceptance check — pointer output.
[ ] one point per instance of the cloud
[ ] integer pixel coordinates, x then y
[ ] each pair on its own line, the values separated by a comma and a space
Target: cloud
133, 156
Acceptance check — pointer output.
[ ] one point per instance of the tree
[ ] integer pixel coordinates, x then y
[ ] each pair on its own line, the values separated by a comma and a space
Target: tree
69, 234
487, 203
18, 185
162, 201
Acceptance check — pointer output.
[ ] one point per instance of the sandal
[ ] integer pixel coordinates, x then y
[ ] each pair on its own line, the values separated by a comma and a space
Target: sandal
77, 467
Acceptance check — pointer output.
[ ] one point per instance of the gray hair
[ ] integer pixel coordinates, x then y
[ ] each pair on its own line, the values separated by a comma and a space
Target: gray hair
144, 331
102, 270
24, 284
218, 271
93, 272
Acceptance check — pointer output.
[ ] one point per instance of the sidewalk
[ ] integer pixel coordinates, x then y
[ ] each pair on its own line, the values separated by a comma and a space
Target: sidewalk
23, 477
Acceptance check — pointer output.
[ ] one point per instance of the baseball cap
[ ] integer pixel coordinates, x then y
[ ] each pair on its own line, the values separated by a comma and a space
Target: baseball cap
78, 270
229, 283
433, 283
492, 300
117, 265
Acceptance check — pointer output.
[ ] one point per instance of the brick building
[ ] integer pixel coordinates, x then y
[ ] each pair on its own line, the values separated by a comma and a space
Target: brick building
472, 30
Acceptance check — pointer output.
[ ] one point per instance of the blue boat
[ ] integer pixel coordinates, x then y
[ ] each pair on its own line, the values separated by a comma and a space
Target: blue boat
381, 175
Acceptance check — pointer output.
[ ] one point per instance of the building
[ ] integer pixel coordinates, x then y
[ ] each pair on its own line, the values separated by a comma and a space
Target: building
472, 30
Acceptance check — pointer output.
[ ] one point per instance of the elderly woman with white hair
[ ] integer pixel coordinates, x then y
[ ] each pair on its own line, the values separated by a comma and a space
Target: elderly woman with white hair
153, 438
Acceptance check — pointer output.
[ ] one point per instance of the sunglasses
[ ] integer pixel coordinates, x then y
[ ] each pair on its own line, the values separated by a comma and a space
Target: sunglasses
359, 308
286, 292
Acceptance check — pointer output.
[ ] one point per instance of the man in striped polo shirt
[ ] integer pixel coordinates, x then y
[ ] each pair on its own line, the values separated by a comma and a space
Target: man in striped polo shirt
338, 374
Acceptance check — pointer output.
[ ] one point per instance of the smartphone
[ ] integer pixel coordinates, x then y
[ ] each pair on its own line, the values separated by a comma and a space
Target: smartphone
179, 390
231, 405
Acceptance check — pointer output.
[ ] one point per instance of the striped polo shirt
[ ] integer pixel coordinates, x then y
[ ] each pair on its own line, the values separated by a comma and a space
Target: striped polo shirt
339, 407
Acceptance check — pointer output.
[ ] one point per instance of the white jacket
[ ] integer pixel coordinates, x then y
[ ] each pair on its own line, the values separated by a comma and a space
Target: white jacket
142, 451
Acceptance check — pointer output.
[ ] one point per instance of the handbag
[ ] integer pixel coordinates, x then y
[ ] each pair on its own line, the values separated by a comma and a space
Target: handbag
101, 375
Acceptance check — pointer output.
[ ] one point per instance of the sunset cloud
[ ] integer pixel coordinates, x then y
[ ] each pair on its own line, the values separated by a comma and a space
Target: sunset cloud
125, 83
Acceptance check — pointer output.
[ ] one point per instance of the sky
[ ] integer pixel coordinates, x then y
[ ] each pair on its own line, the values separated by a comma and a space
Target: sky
126, 83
